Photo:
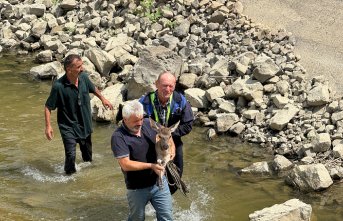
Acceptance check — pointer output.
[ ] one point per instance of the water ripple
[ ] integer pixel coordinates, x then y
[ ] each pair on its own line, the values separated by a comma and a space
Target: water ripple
41, 177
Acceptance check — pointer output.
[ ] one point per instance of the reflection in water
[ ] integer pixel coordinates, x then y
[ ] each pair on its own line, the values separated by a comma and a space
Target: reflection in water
34, 187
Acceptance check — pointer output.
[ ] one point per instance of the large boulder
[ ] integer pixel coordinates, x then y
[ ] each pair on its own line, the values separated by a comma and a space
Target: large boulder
47, 71
291, 210
197, 97
103, 61
112, 93
152, 62
308, 178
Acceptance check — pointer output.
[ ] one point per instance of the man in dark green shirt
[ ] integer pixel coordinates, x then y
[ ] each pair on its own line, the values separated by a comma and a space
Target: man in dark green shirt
70, 95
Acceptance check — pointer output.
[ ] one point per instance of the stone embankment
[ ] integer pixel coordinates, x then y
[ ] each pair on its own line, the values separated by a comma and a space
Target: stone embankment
240, 77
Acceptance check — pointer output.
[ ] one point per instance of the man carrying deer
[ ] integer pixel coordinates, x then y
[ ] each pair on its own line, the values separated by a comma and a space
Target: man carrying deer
133, 144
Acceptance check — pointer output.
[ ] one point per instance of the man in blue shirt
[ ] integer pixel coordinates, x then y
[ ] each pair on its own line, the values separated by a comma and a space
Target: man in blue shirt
133, 144
167, 107
70, 95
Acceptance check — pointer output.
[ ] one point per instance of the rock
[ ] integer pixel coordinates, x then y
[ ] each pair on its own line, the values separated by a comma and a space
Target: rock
112, 93
68, 5
47, 71
182, 29
44, 56
338, 151
336, 173
187, 80
227, 106
117, 42
103, 61
337, 116
39, 28
257, 168
248, 88
214, 92
220, 69
282, 117
237, 128
265, 68
169, 41
250, 114
322, 142
291, 210
318, 95
197, 97
281, 163
211, 133
152, 62
37, 9
225, 121
309, 177
279, 100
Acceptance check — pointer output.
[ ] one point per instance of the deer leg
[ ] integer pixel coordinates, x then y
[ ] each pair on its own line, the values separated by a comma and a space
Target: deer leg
160, 176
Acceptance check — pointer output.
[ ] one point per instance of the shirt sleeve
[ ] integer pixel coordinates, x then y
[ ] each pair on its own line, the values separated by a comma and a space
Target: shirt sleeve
119, 146
90, 85
52, 100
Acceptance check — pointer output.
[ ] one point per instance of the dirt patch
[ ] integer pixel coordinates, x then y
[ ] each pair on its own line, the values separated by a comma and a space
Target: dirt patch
317, 27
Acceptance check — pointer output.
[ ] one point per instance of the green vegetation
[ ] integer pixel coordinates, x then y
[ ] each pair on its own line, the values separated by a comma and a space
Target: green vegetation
171, 24
70, 30
148, 10
55, 2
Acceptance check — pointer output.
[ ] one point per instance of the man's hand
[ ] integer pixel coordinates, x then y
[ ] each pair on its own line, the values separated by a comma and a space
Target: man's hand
49, 133
104, 101
107, 104
157, 169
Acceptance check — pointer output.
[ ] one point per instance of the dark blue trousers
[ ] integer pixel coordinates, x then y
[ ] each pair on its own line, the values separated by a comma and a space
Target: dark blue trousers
70, 152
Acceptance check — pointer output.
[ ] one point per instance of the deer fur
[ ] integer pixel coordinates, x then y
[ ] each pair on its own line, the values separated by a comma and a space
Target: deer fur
165, 146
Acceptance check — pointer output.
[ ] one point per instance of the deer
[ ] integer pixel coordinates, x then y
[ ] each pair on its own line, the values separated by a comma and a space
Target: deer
165, 147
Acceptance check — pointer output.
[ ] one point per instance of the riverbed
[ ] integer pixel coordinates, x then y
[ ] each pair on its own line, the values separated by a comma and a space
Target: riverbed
34, 187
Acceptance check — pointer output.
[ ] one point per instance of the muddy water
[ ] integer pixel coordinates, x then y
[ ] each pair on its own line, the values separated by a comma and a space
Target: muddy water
34, 187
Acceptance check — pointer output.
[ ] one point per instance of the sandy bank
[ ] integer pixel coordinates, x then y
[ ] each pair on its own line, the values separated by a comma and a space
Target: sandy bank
317, 26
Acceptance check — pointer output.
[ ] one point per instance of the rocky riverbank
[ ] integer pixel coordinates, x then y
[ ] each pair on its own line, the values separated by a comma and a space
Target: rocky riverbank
241, 78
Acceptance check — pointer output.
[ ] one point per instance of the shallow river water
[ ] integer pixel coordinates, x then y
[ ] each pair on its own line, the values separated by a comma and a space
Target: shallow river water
34, 187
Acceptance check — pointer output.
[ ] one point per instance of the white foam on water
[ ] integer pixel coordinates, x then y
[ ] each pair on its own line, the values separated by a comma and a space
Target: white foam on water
41, 177
82, 165
197, 211
59, 177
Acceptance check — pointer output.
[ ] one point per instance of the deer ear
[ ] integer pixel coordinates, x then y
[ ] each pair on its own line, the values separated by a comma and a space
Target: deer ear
173, 127
153, 124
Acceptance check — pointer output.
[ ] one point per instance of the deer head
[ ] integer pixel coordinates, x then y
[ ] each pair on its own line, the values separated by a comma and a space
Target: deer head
164, 133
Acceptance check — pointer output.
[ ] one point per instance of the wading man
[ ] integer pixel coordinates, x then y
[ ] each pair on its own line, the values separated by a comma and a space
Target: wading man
167, 107
70, 95
133, 145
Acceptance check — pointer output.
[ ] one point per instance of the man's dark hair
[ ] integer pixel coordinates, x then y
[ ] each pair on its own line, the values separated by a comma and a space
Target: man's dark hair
69, 59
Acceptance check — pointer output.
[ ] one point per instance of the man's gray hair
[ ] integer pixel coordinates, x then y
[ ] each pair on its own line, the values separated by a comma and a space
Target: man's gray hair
133, 107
